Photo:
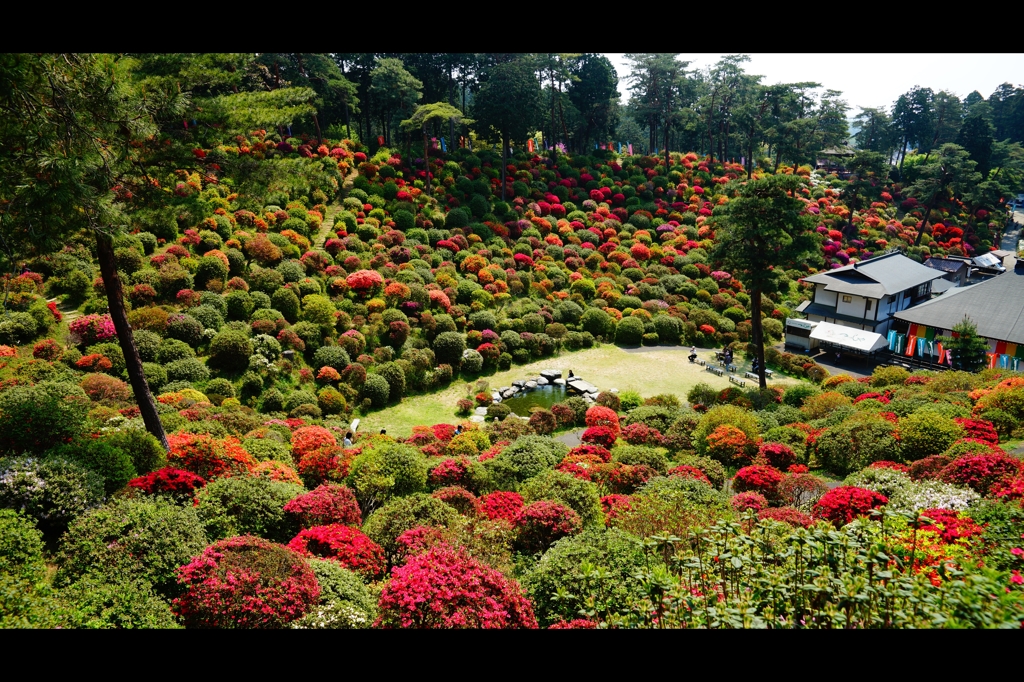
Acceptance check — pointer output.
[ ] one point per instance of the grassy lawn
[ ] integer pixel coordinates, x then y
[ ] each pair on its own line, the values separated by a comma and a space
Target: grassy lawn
648, 373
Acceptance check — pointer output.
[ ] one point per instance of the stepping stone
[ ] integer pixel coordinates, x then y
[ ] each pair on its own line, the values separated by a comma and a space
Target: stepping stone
550, 374
531, 384
541, 381
613, 390
582, 386
508, 393
496, 397
558, 382
503, 389
477, 419
482, 411
519, 383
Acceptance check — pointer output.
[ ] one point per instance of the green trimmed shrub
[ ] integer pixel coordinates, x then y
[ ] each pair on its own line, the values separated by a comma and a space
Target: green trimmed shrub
247, 505
579, 495
384, 525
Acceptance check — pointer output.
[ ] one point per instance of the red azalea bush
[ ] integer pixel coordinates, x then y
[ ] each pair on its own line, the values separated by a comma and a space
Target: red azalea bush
502, 506
599, 415
886, 464
602, 436
759, 479
346, 545
451, 471
929, 467
613, 505
729, 444
790, 515
460, 499
641, 434
979, 428
328, 464
309, 438
687, 471
581, 466
1009, 490
208, 456
843, 504
748, 501
105, 388
47, 349
325, 505
94, 362
446, 588
178, 483
778, 455
981, 472
245, 582
603, 453
801, 490
575, 624
90, 329
624, 478
277, 471
543, 523
951, 525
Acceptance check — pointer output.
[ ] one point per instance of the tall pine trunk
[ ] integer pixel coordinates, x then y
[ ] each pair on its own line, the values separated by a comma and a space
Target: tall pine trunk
504, 161
115, 302
757, 335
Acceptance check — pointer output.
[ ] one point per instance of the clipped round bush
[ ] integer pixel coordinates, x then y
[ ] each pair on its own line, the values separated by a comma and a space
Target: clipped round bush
145, 538
230, 350
347, 546
247, 505
856, 443
579, 495
245, 582
191, 370
35, 418
527, 457
325, 505
376, 389
171, 350
502, 506
629, 331
345, 602
764, 480
208, 456
842, 505
331, 356
449, 347
981, 472
177, 484
556, 584
447, 588
543, 523
21, 545
386, 524
51, 491
185, 328
925, 433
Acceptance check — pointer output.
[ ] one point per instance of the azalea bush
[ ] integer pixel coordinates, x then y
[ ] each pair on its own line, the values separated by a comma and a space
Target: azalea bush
446, 588
245, 582
343, 544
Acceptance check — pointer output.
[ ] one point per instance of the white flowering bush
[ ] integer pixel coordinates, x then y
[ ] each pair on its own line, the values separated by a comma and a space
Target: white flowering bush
906, 495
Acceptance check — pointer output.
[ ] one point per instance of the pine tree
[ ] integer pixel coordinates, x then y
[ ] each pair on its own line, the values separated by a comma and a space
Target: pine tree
969, 351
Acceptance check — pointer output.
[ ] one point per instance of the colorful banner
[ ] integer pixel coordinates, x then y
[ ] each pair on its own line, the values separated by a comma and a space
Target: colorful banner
380, 139
1004, 361
630, 145
529, 145
911, 344
942, 353
444, 148
892, 339
920, 345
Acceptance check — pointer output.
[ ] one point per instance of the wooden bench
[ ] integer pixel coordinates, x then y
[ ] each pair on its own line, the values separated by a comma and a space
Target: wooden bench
715, 370
736, 380
752, 376
729, 368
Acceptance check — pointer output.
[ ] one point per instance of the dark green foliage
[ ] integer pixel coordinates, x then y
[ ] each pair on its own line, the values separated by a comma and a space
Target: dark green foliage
557, 587
171, 350
147, 343
331, 356
385, 471
208, 316
384, 525
51, 491
104, 600
230, 350
101, 456
191, 370
143, 538
184, 327
35, 418
448, 348
527, 457
639, 454
21, 546
142, 448
395, 377
285, 300
247, 505
579, 495
856, 443
376, 389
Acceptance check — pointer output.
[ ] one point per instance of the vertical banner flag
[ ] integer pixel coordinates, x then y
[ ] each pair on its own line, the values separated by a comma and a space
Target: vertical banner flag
380, 140
529, 145
630, 145
289, 131
892, 339
443, 147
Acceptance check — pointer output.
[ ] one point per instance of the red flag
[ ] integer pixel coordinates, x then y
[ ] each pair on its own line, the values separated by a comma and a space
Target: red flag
380, 140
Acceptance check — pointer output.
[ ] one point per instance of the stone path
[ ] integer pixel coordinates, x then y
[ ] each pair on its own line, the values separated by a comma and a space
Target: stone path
69, 312
327, 227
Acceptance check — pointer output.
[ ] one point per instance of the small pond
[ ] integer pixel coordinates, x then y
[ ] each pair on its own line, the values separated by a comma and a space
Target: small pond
542, 396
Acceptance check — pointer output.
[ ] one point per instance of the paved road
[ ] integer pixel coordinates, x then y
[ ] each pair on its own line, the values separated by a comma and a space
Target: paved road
1012, 237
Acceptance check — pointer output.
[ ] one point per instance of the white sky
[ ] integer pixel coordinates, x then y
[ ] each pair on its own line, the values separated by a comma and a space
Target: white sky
869, 80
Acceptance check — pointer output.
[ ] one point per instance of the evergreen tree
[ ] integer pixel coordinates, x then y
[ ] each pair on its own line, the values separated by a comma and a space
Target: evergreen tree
969, 351
762, 230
